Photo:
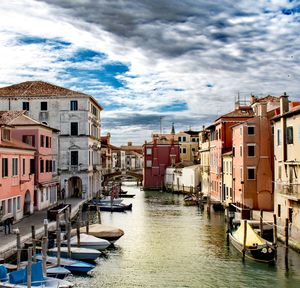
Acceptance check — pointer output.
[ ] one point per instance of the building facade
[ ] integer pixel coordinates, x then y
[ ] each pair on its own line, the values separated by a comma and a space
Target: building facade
189, 144
158, 155
16, 171
77, 116
286, 126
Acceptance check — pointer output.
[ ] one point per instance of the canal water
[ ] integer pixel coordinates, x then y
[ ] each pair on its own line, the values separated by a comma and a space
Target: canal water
167, 244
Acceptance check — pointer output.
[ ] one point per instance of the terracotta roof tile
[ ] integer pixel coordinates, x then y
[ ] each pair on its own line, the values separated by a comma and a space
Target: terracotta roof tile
37, 88
7, 116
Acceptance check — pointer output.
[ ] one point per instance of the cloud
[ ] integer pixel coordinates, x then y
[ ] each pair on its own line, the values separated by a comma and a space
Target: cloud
185, 60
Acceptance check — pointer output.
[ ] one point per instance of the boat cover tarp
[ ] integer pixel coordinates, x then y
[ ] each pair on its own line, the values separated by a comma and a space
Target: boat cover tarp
3, 273
252, 237
100, 230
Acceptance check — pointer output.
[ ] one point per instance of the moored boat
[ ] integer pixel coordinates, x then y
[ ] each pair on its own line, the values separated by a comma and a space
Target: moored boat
77, 253
75, 266
58, 272
109, 233
89, 241
256, 247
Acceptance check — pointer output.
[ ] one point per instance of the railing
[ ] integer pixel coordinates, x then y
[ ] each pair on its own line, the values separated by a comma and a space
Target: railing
292, 190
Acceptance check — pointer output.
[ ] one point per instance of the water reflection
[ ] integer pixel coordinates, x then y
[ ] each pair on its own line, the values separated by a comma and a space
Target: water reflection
169, 245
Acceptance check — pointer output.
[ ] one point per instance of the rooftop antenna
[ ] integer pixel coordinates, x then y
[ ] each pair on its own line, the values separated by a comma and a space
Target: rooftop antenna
160, 123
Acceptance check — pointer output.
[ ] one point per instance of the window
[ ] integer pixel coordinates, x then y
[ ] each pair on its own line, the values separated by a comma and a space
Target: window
279, 172
74, 105
47, 141
53, 166
74, 157
183, 139
184, 150
94, 109
9, 202
291, 215
23, 166
251, 130
149, 163
233, 151
289, 135
241, 173
25, 106
18, 203
6, 134
149, 151
193, 140
279, 210
4, 167
42, 144
28, 139
251, 150
74, 128
42, 166
179, 139
241, 150
44, 106
14, 166
32, 166
251, 173
278, 137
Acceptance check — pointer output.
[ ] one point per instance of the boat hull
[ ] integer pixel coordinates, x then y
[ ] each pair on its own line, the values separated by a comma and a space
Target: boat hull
76, 253
263, 253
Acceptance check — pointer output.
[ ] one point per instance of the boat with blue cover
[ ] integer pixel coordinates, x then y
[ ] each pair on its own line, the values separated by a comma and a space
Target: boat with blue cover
18, 278
75, 266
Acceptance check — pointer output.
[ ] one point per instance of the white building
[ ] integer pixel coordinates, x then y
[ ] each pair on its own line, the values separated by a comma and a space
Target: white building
184, 179
77, 116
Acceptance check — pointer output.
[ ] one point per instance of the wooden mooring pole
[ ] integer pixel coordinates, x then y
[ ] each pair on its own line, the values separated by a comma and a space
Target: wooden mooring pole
29, 267
286, 232
261, 227
33, 243
88, 219
245, 239
44, 255
18, 248
98, 208
58, 240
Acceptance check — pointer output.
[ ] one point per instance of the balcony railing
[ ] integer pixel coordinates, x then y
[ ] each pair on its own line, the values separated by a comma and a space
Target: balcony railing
290, 190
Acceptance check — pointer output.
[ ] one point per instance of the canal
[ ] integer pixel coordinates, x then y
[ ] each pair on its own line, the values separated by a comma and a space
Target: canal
169, 245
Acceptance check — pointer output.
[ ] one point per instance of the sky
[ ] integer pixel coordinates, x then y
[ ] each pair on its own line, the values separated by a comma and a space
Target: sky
150, 63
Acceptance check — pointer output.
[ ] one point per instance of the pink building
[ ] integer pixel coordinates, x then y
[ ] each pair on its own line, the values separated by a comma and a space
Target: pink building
16, 171
44, 140
158, 155
252, 143
220, 143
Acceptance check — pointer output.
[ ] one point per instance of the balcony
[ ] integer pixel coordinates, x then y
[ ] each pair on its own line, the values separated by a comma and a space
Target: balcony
291, 191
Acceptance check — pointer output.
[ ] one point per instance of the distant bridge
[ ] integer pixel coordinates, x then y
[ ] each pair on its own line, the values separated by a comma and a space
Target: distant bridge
138, 174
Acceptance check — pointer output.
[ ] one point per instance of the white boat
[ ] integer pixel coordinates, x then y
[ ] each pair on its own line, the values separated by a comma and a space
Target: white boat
77, 253
107, 201
89, 241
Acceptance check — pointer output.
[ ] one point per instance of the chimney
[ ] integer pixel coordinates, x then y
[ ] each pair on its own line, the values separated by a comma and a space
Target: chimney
129, 144
284, 103
261, 109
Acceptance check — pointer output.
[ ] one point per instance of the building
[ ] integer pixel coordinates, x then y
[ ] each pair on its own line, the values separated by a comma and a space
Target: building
227, 177
77, 116
158, 155
204, 159
220, 143
252, 143
183, 179
286, 126
106, 154
45, 141
16, 171
189, 144
133, 156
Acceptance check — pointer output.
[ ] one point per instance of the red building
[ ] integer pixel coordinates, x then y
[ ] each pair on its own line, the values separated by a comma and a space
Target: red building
221, 142
158, 155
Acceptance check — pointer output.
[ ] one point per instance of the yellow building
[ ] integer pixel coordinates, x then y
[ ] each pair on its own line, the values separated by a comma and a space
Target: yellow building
227, 177
189, 144
286, 127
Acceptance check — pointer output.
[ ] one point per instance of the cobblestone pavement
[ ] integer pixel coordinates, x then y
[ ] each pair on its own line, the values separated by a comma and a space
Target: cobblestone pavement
8, 242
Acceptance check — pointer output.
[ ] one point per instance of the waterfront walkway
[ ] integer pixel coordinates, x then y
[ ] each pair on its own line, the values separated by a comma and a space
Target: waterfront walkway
8, 242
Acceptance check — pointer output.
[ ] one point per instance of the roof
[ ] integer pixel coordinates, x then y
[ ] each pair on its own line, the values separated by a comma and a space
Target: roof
190, 132
15, 144
294, 110
243, 111
38, 89
7, 116
265, 99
